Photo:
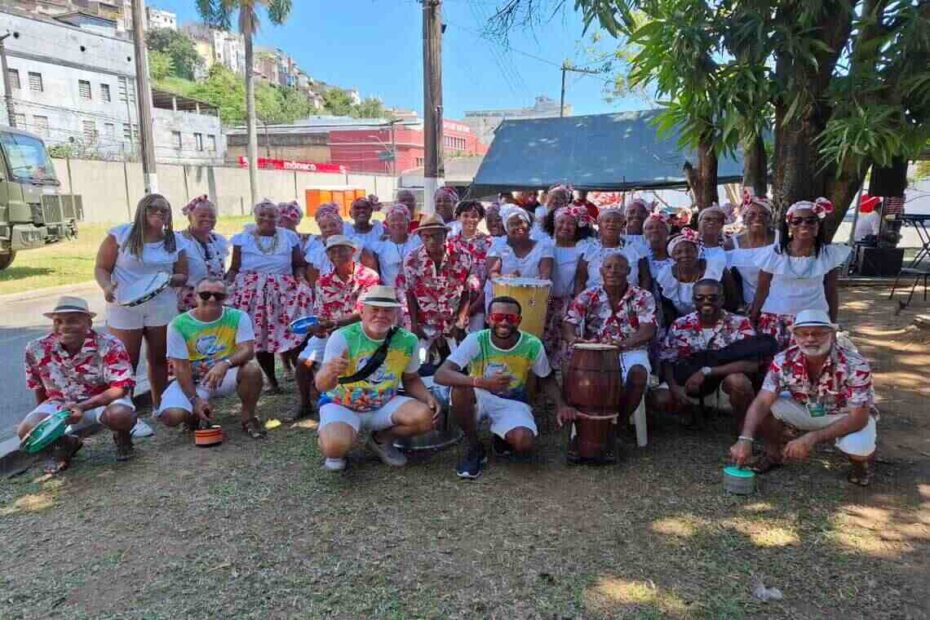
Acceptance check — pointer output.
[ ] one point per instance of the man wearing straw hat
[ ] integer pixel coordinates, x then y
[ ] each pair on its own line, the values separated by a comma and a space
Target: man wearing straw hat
364, 366
818, 387
87, 373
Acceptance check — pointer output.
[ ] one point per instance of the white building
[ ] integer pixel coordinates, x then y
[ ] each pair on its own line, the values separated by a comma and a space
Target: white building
75, 86
485, 122
229, 50
157, 18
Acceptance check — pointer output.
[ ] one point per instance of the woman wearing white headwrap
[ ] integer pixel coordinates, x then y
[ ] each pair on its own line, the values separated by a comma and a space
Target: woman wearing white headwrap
757, 236
714, 243
676, 281
610, 240
636, 213
517, 254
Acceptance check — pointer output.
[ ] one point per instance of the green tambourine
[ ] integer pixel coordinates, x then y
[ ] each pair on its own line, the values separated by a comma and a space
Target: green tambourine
45, 433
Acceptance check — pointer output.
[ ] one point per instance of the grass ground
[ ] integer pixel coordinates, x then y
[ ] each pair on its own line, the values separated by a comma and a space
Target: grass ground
258, 530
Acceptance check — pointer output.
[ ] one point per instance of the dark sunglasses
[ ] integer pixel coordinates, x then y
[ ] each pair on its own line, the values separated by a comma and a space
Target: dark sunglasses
706, 297
205, 295
812, 220
500, 317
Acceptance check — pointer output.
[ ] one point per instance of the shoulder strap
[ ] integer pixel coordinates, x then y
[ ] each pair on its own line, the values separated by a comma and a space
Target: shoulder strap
373, 363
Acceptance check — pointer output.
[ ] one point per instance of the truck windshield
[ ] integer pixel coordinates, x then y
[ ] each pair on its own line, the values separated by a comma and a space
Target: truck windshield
27, 158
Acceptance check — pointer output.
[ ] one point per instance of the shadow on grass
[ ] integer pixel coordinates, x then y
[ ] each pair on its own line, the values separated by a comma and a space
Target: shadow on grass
11, 274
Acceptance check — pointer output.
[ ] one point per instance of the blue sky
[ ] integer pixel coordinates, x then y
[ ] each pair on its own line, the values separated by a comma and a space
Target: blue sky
375, 46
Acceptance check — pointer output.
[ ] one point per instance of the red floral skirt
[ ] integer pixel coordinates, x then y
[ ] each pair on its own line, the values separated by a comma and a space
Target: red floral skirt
273, 301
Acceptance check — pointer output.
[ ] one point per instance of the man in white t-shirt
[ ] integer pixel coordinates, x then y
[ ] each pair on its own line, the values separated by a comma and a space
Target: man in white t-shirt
211, 348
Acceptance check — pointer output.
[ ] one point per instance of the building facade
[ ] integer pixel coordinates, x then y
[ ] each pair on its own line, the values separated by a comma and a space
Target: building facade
484, 123
157, 18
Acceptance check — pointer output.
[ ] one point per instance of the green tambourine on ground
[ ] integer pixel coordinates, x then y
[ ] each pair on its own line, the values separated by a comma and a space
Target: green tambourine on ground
45, 433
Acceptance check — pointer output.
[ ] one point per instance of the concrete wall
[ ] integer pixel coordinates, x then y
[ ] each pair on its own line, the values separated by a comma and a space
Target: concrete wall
110, 190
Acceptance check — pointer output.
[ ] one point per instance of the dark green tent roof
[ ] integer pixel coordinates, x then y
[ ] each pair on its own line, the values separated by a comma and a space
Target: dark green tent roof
597, 152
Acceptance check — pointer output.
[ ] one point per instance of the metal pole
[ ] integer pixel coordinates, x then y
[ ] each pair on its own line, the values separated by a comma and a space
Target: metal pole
433, 169
393, 148
147, 138
7, 88
562, 97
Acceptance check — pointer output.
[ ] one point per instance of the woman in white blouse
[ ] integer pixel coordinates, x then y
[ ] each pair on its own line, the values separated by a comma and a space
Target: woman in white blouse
129, 253
610, 240
748, 247
206, 250
517, 254
387, 254
266, 269
364, 230
676, 281
330, 223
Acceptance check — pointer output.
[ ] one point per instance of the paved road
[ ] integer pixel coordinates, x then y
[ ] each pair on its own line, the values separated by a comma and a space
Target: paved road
20, 322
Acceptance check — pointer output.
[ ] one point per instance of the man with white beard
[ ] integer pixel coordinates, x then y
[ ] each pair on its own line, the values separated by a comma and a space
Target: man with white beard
820, 388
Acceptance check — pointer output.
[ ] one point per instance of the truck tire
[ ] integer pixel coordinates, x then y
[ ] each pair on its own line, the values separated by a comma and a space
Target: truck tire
6, 259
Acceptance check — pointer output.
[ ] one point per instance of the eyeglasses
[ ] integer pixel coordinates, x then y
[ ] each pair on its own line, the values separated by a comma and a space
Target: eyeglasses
811, 220
205, 295
706, 297
501, 317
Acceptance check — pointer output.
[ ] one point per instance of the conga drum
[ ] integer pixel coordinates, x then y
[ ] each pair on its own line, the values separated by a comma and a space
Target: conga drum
592, 384
533, 295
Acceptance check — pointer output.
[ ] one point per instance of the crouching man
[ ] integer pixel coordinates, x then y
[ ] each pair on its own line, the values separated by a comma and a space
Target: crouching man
820, 388
74, 368
211, 349
364, 366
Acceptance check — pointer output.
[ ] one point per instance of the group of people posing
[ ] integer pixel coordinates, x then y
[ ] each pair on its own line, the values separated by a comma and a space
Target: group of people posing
393, 297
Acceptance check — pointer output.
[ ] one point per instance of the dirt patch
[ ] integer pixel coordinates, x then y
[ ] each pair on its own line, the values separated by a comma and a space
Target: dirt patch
258, 530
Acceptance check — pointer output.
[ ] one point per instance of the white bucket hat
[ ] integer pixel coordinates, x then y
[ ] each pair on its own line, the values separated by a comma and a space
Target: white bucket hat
813, 318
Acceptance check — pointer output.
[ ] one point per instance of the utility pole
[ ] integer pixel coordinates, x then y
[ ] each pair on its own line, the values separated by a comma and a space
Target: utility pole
7, 88
393, 124
147, 138
433, 169
565, 68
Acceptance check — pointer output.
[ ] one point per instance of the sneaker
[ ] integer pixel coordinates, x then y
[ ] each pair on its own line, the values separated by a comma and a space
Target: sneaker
501, 447
141, 429
387, 452
469, 468
334, 464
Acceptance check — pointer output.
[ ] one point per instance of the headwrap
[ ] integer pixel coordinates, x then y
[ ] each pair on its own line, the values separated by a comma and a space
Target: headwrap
199, 201
761, 201
714, 208
637, 202
560, 188
375, 202
398, 208
577, 213
615, 208
494, 207
327, 210
446, 191
659, 217
688, 235
291, 210
868, 203
364, 202
511, 211
265, 203
821, 207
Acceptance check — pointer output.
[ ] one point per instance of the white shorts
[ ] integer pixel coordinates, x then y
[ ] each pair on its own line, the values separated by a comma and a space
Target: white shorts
793, 413
313, 350
628, 359
174, 397
91, 416
153, 313
376, 420
505, 414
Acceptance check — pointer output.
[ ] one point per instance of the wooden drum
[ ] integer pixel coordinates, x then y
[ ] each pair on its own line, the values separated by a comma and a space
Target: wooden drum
533, 295
592, 384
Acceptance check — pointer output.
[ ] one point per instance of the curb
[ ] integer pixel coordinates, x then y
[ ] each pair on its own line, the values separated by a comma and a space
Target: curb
44, 292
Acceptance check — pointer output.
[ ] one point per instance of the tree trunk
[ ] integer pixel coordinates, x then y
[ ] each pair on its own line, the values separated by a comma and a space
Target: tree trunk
755, 167
250, 118
706, 193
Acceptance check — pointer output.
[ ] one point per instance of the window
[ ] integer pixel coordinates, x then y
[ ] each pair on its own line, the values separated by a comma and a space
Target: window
89, 129
20, 120
109, 130
105, 92
84, 89
176, 139
127, 131
198, 141
14, 79
419, 161
40, 125
211, 143
126, 90
135, 131
35, 82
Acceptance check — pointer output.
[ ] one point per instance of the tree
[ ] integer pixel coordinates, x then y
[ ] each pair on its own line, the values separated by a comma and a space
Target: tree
337, 101
370, 107
179, 48
219, 14
160, 65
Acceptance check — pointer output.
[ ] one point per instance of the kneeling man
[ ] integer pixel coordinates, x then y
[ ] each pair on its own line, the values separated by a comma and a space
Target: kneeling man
816, 386
364, 365
74, 368
499, 361
211, 349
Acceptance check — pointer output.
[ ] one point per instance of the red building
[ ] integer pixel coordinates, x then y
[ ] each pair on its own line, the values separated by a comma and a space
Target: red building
362, 149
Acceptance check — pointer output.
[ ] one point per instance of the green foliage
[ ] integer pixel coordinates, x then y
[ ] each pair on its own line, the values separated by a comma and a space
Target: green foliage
337, 101
179, 48
160, 65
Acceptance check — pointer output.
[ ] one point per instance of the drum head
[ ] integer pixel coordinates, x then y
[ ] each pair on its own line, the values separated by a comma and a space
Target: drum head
142, 289
45, 433
594, 346
302, 325
531, 282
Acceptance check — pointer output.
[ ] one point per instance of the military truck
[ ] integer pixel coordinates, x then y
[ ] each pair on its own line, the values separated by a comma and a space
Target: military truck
33, 213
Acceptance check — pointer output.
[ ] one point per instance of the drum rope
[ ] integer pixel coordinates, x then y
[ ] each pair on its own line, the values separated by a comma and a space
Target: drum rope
591, 416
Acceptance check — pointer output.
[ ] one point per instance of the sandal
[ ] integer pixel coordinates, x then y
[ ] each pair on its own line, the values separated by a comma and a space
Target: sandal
60, 458
765, 464
859, 474
253, 428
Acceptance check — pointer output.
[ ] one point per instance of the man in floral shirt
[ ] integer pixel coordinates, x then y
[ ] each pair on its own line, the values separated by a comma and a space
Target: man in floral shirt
619, 314
708, 328
86, 373
336, 304
438, 281
820, 388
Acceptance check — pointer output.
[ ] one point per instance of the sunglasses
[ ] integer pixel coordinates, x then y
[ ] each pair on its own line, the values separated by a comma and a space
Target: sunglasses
500, 317
812, 220
205, 295
706, 297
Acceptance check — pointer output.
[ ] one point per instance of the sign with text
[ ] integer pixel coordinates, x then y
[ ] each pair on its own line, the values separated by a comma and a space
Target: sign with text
287, 164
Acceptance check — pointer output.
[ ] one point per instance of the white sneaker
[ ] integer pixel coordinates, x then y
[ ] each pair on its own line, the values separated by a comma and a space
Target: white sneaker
334, 464
141, 429
387, 452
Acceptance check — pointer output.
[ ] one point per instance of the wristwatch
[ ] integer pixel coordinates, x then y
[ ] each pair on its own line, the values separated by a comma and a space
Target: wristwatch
706, 370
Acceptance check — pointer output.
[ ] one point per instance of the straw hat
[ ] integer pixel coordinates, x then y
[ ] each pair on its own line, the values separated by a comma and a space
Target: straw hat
337, 240
813, 318
381, 296
433, 222
70, 305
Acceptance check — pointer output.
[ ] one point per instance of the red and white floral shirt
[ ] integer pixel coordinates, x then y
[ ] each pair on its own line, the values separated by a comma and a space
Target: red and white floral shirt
477, 247
591, 313
101, 364
439, 291
686, 336
845, 382
336, 298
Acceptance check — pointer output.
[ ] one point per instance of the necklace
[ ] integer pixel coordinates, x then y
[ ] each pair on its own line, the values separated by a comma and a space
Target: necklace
264, 248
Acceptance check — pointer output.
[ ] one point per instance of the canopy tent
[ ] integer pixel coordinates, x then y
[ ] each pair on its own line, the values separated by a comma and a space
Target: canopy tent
616, 152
